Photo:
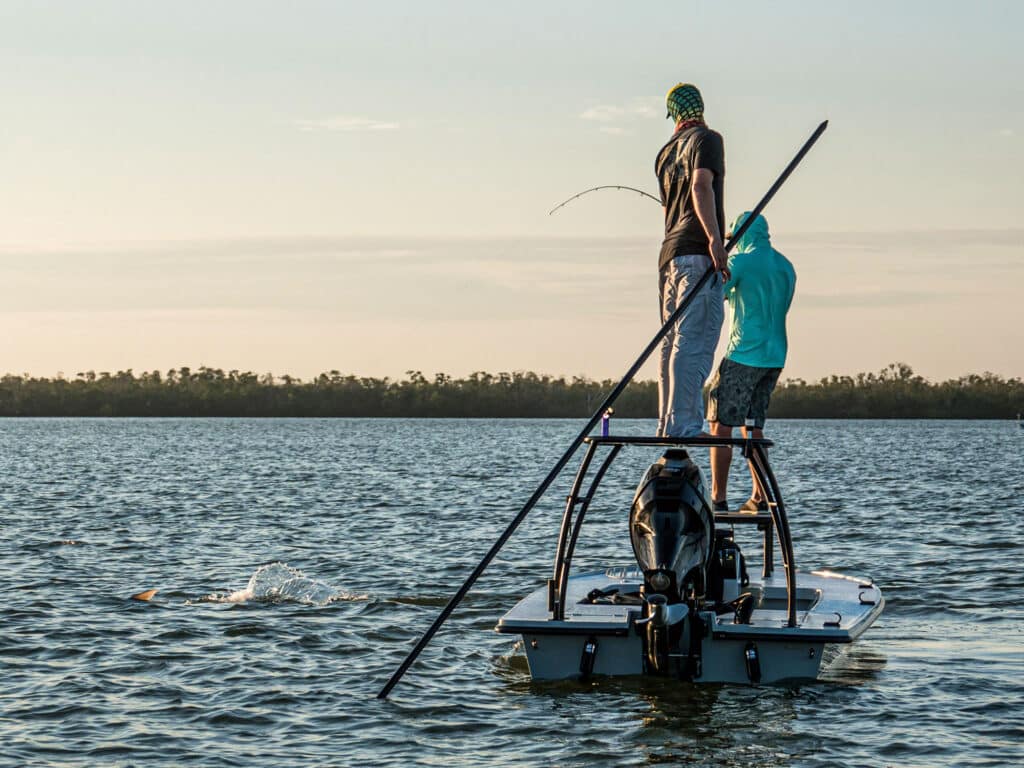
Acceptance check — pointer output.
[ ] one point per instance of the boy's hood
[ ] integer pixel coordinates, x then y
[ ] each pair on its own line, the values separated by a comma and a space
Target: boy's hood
755, 237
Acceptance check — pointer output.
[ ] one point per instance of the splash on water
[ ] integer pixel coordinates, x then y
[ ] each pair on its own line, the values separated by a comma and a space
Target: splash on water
280, 583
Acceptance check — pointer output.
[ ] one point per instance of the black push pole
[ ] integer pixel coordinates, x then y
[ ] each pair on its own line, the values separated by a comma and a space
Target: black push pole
591, 423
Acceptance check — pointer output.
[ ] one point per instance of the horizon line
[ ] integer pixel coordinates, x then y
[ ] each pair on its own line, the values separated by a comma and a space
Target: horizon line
63, 376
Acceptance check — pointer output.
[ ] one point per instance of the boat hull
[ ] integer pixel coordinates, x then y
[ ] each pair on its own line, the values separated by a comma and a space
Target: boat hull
604, 639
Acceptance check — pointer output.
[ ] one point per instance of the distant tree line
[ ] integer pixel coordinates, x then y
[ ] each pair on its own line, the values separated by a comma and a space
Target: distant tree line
895, 392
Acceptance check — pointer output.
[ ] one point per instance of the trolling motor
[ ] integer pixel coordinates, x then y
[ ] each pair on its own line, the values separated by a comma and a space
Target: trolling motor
672, 529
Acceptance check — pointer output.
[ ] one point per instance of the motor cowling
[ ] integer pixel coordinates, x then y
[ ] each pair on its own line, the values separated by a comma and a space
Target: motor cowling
672, 527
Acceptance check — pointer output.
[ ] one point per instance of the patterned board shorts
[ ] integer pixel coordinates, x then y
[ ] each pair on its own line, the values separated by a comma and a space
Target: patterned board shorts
740, 392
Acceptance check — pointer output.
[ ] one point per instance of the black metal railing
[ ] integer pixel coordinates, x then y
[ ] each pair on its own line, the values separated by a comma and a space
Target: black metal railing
576, 506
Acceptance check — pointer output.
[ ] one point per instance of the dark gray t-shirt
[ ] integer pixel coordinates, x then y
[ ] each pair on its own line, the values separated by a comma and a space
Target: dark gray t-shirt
690, 149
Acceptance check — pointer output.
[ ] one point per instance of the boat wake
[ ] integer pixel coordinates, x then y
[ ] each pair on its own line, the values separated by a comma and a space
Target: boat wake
280, 583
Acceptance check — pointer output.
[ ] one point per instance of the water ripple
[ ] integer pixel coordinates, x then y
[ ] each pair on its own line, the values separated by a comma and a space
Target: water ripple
297, 561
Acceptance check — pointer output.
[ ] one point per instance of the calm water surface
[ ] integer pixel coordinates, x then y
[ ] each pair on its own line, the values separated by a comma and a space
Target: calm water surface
298, 561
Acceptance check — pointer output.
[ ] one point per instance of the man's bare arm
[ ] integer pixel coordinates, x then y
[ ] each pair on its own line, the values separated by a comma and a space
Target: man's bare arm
704, 204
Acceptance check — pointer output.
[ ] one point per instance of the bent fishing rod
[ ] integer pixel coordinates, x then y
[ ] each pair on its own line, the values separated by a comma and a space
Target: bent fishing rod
592, 422
597, 189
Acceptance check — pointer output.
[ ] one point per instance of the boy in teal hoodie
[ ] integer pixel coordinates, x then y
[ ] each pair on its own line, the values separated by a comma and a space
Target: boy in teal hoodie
759, 291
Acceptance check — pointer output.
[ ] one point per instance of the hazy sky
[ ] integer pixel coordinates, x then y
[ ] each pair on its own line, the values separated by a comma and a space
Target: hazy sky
309, 186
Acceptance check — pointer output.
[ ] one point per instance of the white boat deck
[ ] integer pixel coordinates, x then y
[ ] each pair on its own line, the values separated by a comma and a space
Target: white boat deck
831, 608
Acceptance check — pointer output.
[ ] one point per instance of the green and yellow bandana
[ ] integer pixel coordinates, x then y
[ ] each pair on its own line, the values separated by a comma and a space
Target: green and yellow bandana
684, 103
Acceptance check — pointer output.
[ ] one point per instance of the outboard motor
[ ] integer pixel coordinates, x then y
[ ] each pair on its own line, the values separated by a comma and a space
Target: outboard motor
672, 530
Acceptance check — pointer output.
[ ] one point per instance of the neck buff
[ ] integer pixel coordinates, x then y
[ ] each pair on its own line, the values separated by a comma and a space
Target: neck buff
682, 125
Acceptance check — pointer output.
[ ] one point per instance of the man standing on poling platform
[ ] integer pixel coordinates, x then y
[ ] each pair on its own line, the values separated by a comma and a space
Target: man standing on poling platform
691, 176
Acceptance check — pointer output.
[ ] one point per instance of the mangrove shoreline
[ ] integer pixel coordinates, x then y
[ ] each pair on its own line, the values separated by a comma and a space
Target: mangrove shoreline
893, 393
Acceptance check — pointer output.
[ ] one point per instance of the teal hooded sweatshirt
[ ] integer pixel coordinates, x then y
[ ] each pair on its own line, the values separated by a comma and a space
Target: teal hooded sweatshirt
759, 293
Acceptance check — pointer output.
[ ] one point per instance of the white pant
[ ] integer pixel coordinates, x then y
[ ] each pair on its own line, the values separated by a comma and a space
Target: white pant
688, 350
